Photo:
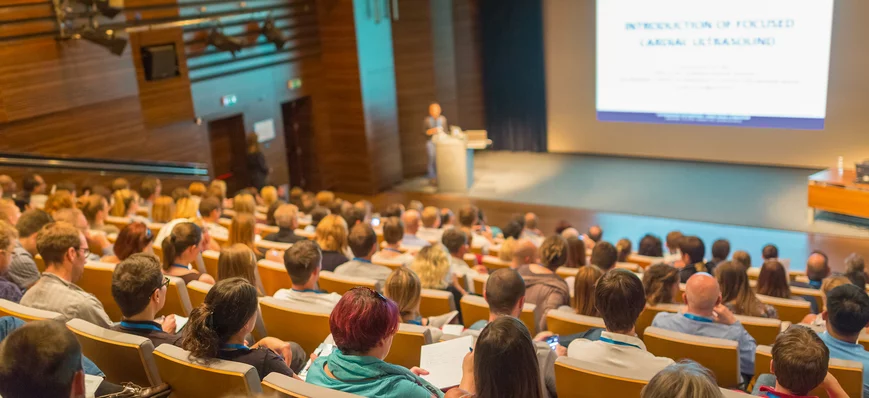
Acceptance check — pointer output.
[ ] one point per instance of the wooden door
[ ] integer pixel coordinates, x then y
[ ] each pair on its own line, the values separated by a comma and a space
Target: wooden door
299, 140
228, 154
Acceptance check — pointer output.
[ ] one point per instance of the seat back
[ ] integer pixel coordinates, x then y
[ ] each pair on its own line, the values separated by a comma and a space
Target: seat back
216, 378
119, 222
274, 276
197, 291
648, 315
122, 357
266, 245
566, 323
810, 294
307, 325
493, 263
40, 263
792, 311
211, 257
155, 228
177, 299
644, 261
393, 265
718, 355
158, 251
407, 345
475, 308
266, 230
764, 330
469, 259
479, 282
332, 282
287, 387
566, 272
27, 314
581, 379
633, 267
435, 302
848, 373
97, 280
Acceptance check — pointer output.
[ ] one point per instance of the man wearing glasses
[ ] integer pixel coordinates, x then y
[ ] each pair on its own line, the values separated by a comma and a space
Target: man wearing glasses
139, 288
64, 250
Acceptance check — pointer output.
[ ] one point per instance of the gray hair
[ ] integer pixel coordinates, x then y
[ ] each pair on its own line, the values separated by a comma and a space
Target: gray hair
285, 216
684, 379
854, 263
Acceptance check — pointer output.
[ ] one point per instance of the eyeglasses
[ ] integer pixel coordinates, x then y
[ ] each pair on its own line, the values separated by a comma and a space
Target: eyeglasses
147, 233
162, 285
85, 251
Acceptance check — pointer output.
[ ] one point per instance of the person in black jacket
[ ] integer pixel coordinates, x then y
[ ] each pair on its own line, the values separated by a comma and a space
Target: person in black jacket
256, 162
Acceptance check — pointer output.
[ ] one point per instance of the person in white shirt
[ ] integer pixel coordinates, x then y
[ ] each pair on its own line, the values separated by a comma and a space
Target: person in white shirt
469, 219
673, 255
209, 210
393, 231
303, 261
620, 298
456, 242
363, 243
411, 227
431, 220
530, 231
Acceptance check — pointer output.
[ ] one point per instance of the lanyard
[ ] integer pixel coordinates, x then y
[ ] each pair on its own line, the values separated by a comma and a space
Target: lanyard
181, 266
389, 249
697, 318
361, 260
142, 326
233, 347
308, 291
622, 343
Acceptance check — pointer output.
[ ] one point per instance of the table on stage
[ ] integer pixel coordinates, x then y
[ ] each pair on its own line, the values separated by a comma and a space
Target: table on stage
836, 192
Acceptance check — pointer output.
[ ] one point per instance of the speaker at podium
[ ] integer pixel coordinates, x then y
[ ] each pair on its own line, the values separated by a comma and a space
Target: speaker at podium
454, 158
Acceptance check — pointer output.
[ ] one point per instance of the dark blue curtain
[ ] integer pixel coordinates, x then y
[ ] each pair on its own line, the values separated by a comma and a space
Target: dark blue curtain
514, 80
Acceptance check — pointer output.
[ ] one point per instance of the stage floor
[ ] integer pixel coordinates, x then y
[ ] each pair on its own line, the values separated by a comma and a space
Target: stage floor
741, 195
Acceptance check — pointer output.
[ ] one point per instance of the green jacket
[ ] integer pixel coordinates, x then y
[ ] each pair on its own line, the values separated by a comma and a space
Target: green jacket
369, 377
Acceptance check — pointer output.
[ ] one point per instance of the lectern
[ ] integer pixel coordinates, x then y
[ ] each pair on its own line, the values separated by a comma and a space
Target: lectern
454, 159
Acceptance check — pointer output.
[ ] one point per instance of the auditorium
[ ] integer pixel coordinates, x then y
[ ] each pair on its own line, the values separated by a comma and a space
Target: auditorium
434, 198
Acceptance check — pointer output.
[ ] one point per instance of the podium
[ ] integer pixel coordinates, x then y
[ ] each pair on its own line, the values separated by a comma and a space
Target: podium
454, 160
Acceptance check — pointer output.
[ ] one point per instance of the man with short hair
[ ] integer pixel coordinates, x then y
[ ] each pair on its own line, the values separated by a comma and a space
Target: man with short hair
769, 252
33, 194
531, 232
846, 315
356, 213
430, 231
139, 288
286, 218
448, 219
149, 190
41, 359
469, 219
393, 231
303, 262
393, 210
363, 244
411, 227
210, 209
64, 250
524, 253
619, 297
22, 269
720, 251
706, 316
456, 242
593, 236
817, 269
672, 242
604, 256
692, 250
76, 218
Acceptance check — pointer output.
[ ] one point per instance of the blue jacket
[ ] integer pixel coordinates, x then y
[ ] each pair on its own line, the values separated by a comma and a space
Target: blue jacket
369, 377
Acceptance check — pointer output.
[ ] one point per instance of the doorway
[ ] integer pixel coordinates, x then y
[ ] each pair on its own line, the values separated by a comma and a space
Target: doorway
228, 152
299, 140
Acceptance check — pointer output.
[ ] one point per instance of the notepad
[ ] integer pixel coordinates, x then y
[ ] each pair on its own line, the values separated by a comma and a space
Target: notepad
443, 361
455, 330
91, 383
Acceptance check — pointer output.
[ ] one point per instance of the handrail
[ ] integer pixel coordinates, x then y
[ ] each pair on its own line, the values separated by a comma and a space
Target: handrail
177, 169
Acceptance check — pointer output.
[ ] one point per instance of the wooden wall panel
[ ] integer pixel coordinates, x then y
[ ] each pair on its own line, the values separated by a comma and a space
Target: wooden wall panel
469, 70
168, 100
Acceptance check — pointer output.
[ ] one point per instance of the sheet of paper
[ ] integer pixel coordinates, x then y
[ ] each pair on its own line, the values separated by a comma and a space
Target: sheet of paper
180, 321
90, 385
323, 350
444, 361
455, 330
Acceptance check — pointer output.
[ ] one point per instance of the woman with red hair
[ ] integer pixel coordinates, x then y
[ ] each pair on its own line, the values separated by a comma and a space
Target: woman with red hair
134, 238
363, 324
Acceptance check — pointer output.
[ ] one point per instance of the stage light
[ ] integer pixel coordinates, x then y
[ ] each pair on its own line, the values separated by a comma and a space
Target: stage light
223, 42
103, 7
106, 39
273, 34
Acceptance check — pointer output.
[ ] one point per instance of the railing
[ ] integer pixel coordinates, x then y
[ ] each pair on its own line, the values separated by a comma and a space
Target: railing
196, 171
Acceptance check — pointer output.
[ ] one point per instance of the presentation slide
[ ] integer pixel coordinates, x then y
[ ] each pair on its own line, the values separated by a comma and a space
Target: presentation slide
753, 63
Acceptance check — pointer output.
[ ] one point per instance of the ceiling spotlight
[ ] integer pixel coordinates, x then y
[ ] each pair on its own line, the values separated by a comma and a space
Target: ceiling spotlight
223, 42
273, 34
106, 39
103, 7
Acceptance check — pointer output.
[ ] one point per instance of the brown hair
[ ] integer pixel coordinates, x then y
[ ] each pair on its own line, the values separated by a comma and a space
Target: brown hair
133, 238
163, 209
119, 184
553, 252
301, 259
55, 239
658, 281
8, 234
773, 280
504, 288
362, 239
623, 248
244, 203
506, 340
243, 230
403, 287
683, 379
123, 200
742, 258
92, 205
227, 308
237, 261
325, 198
183, 236
269, 194
8, 209
59, 200
583, 287
619, 298
735, 289
575, 253
800, 359
331, 233
393, 230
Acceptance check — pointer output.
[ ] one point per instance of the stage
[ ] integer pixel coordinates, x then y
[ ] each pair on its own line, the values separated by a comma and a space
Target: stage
749, 205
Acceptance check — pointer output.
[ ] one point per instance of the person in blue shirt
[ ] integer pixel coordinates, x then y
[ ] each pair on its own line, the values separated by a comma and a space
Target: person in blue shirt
706, 316
846, 315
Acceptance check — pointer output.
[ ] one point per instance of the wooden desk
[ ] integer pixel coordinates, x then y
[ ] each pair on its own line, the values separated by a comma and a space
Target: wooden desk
838, 193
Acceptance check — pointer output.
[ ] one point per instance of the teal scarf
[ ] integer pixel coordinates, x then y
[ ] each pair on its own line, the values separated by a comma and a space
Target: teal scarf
369, 376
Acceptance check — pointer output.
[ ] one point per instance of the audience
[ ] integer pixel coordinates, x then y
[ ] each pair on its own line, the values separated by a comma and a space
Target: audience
685, 379
448, 219
604, 255
181, 248
817, 268
163, 210
186, 208
363, 243
9, 212
469, 221
269, 194
545, 289
531, 232
411, 226
583, 290
270, 212
595, 233
661, 283
855, 269
692, 261
64, 249
96, 209
217, 329
244, 203
139, 289
238, 261
524, 253
432, 265
505, 251
720, 251
846, 315
773, 280
303, 264
331, 235
33, 191
363, 325
22, 270
769, 252
650, 245
149, 191
393, 232
456, 242
404, 288
575, 252
828, 285
210, 209
673, 240
623, 250
706, 316
431, 230
742, 258
736, 294
134, 238
317, 214
287, 222
619, 298
8, 290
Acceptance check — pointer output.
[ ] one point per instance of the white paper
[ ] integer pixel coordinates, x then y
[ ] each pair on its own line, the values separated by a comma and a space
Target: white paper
90, 385
265, 130
180, 321
444, 361
455, 330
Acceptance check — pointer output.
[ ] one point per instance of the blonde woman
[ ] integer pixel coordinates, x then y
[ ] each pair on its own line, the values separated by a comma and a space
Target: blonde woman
505, 252
432, 265
9, 212
163, 210
186, 208
197, 189
244, 203
126, 204
96, 209
58, 200
238, 261
218, 188
243, 231
269, 195
403, 287
331, 235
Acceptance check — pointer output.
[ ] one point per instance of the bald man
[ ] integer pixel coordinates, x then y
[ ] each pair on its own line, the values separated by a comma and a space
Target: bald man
411, 219
570, 233
524, 253
594, 235
817, 269
531, 232
705, 316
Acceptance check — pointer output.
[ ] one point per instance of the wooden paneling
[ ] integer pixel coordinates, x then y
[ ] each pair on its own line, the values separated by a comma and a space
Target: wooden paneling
168, 100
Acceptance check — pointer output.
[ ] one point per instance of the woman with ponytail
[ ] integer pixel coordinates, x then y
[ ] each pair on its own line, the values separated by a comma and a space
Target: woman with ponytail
218, 327
181, 248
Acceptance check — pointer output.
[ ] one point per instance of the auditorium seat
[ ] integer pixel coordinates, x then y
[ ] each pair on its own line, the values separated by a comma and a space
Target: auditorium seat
644, 261
158, 251
119, 222
435, 302
810, 294
122, 357
566, 272
393, 265
848, 373
210, 258
266, 230
789, 310
266, 245
633, 267
155, 227
226, 222
177, 299
648, 315
566, 323
493, 263
475, 308
764, 330
274, 276
580, 379
284, 386
718, 355
97, 280
40, 263
306, 324
27, 314
754, 272
305, 234
334, 283
197, 291
216, 378
864, 340
470, 259
407, 345
479, 282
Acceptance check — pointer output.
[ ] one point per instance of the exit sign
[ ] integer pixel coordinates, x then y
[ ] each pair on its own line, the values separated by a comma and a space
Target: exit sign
228, 100
294, 83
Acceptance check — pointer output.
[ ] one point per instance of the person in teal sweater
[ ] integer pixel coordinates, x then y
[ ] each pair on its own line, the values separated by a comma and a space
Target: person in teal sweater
363, 324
